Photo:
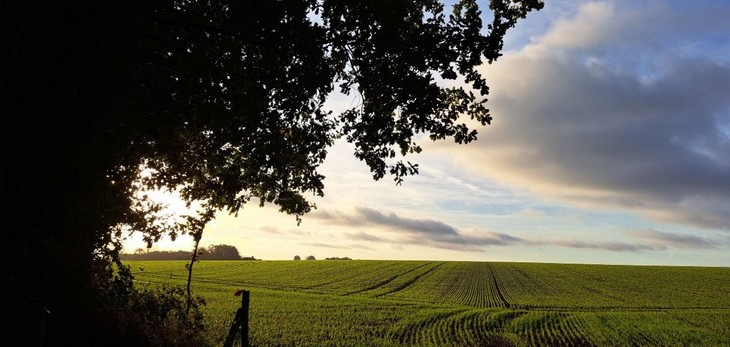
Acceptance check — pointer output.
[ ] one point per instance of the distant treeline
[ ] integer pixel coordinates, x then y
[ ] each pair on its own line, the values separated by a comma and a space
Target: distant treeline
213, 252
158, 255
311, 257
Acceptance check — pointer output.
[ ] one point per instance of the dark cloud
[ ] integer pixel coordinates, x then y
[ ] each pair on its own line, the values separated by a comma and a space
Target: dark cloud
364, 216
606, 245
414, 231
606, 120
646, 240
418, 226
433, 233
361, 236
664, 239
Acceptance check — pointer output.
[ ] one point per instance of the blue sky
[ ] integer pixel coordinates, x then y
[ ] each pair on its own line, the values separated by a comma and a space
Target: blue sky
610, 144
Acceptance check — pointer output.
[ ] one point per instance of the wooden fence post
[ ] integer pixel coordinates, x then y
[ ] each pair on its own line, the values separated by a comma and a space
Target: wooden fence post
245, 298
240, 321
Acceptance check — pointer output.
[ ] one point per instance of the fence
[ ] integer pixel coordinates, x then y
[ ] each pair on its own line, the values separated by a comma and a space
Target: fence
240, 322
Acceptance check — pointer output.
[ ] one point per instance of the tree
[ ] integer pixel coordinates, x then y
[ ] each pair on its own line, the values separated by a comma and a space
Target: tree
311, 257
220, 100
296, 257
222, 252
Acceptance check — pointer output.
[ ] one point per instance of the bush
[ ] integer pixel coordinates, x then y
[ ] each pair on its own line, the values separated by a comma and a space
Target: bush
162, 318
151, 315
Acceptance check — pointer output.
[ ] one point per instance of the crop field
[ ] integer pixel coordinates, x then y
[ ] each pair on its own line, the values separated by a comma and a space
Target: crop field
436, 303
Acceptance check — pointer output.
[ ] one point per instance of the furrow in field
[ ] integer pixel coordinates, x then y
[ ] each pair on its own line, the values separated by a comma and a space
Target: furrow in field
577, 332
420, 329
386, 281
410, 282
497, 290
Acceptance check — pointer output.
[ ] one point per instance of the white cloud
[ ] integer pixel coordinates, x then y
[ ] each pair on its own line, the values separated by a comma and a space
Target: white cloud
596, 113
584, 30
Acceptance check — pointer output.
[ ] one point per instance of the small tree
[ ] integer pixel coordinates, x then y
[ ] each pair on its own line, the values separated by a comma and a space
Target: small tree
297, 257
311, 257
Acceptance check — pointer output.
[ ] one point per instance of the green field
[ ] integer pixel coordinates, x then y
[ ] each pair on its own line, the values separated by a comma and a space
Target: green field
436, 303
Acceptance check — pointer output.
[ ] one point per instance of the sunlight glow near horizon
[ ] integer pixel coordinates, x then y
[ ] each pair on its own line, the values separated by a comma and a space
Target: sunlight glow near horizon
578, 166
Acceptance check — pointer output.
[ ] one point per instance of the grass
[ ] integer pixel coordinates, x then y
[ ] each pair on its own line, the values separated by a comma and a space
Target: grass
428, 303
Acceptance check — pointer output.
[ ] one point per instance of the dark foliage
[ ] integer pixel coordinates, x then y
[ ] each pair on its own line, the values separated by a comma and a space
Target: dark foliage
213, 252
152, 316
157, 255
221, 252
221, 100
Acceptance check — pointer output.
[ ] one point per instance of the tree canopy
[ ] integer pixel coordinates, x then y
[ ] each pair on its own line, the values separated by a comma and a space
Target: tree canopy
221, 252
220, 100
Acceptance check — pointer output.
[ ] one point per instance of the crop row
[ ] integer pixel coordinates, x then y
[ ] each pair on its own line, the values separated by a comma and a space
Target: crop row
506, 327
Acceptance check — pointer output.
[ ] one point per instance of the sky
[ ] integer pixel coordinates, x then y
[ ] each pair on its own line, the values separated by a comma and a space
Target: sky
610, 144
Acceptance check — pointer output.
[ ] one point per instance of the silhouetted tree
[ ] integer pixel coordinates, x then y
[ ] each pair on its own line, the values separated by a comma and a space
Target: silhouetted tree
222, 252
296, 257
221, 100
311, 257
157, 255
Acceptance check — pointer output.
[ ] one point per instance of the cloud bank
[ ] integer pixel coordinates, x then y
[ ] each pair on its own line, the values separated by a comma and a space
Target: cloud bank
413, 231
616, 106
663, 240
390, 228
